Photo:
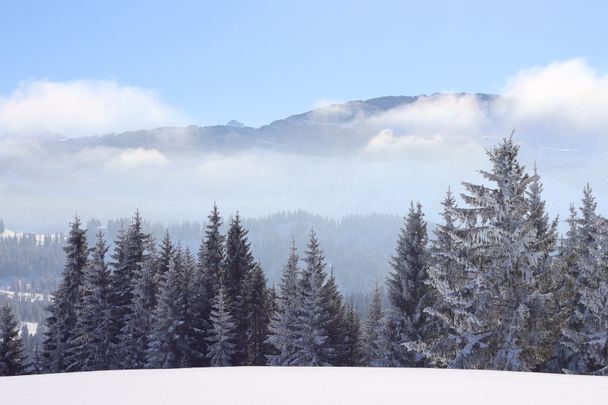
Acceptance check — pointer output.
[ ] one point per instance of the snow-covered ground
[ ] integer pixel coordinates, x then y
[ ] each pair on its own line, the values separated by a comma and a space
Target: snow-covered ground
269, 385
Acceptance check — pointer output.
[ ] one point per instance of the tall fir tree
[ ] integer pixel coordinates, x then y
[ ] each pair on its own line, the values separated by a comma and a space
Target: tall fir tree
284, 323
312, 345
139, 318
127, 267
336, 325
257, 307
351, 344
501, 237
374, 345
585, 333
167, 341
94, 328
222, 333
237, 267
408, 291
63, 318
12, 357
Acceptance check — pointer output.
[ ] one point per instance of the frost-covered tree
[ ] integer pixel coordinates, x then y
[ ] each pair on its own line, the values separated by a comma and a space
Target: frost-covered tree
257, 310
166, 344
408, 291
336, 326
94, 346
284, 323
222, 333
237, 266
500, 237
139, 319
311, 345
11, 347
586, 334
352, 345
373, 328
127, 267
63, 317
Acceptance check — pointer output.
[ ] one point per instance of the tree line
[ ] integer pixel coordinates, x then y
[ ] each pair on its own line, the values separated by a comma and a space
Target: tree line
495, 288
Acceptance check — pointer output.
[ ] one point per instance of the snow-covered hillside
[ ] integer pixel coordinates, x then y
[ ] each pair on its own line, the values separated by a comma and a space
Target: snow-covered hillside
268, 385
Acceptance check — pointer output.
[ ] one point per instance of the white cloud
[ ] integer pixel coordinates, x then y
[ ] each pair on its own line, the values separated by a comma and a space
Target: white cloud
83, 107
446, 114
132, 158
568, 96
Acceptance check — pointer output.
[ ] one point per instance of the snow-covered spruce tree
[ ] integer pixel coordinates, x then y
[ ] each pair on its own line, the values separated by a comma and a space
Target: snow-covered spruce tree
374, 344
284, 323
336, 321
166, 344
503, 253
586, 334
165, 254
257, 309
237, 266
311, 345
206, 282
11, 347
128, 260
222, 333
94, 345
139, 319
353, 350
62, 320
450, 276
408, 291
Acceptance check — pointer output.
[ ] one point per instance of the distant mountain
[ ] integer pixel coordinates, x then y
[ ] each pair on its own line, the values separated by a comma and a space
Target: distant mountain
324, 130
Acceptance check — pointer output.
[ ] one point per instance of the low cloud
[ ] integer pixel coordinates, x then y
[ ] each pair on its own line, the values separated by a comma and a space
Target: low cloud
83, 107
132, 158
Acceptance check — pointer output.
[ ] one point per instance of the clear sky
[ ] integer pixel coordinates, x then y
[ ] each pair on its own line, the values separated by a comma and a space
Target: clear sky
257, 61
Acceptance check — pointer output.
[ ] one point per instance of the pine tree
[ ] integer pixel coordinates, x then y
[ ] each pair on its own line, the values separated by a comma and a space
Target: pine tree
586, 334
257, 308
128, 260
11, 347
63, 318
284, 323
503, 252
352, 345
94, 328
222, 333
237, 266
312, 347
408, 292
374, 345
336, 325
167, 342
139, 318
166, 251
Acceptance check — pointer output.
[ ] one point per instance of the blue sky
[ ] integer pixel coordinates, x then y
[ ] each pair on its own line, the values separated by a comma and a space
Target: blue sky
259, 61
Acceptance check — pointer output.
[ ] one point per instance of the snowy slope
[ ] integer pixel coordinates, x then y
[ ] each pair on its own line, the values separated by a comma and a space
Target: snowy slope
268, 385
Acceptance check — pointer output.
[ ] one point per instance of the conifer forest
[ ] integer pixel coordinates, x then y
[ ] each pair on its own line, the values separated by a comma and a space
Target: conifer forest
494, 285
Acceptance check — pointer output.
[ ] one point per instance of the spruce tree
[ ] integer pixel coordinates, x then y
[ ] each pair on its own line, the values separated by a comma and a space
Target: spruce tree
408, 291
336, 325
284, 323
237, 266
311, 345
503, 254
222, 333
374, 345
351, 344
11, 347
139, 318
94, 328
128, 260
257, 307
167, 343
61, 323
585, 334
